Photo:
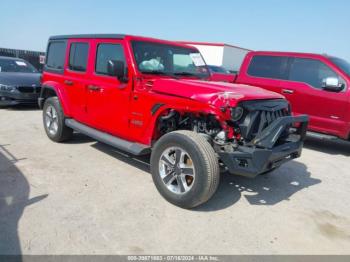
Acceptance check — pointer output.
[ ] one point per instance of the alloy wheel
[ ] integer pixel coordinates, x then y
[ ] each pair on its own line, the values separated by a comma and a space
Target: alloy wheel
177, 170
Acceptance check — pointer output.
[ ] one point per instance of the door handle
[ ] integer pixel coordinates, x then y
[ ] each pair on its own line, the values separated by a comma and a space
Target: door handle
287, 91
68, 82
93, 88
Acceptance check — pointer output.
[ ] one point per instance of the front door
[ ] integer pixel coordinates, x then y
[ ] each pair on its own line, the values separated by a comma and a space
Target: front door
305, 91
108, 97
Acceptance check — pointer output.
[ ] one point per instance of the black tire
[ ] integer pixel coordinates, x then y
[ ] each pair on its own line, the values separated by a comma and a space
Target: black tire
203, 159
63, 133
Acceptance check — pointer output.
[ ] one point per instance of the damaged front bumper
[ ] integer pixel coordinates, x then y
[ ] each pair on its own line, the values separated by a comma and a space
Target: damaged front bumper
270, 149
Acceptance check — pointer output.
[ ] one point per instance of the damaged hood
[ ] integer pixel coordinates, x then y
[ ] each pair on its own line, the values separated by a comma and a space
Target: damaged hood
214, 93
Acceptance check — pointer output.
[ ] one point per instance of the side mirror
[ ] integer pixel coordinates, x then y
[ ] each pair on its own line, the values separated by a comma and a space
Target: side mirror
116, 68
332, 84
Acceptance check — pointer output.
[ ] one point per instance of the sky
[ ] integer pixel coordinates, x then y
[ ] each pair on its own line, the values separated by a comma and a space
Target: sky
317, 26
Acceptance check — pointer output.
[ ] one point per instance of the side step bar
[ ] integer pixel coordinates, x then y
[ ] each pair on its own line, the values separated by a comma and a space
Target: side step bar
321, 136
132, 148
318, 135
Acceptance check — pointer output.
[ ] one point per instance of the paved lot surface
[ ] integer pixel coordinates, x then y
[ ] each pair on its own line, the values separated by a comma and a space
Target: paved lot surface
84, 197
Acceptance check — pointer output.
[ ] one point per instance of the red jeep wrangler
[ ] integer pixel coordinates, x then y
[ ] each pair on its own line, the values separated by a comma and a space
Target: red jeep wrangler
145, 95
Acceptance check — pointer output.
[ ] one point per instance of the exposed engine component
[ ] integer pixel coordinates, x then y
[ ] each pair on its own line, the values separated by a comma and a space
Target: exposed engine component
207, 125
169, 122
220, 138
204, 124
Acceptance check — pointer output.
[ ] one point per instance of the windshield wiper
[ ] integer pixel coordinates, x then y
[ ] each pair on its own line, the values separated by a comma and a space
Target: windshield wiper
156, 72
174, 75
187, 74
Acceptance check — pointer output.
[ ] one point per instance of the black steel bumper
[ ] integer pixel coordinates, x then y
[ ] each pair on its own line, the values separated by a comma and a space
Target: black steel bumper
15, 98
270, 149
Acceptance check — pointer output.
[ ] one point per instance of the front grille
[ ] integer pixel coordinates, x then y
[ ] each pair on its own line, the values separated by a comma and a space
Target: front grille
259, 115
29, 89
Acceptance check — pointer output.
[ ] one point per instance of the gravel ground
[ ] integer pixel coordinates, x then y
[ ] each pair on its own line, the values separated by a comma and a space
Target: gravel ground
84, 197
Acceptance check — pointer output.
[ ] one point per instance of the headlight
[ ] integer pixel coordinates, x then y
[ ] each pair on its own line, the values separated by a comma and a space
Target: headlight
236, 113
7, 88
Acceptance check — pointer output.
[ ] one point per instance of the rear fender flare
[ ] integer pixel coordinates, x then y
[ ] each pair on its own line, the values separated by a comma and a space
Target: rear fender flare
60, 93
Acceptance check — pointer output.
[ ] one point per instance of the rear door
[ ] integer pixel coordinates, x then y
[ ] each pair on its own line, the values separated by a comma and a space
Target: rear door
75, 78
108, 98
305, 84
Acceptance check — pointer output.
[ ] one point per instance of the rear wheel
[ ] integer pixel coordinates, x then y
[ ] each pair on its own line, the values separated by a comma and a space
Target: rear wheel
185, 168
53, 119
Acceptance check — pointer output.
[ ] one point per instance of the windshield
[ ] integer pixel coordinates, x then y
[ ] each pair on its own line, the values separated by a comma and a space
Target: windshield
16, 66
155, 58
342, 64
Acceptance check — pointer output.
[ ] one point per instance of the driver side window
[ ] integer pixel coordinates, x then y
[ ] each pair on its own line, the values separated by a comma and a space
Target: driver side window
106, 52
310, 71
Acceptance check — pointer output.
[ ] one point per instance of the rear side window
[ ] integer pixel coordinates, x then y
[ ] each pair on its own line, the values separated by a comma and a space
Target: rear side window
78, 56
310, 71
105, 53
56, 55
275, 67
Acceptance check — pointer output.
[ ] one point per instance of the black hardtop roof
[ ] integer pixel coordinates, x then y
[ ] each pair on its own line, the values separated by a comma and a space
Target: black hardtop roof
60, 37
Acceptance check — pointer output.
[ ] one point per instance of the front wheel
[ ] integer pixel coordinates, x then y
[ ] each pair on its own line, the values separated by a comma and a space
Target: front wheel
185, 168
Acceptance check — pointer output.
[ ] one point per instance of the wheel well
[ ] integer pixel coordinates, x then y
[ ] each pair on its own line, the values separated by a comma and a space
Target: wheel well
171, 120
45, 94
48, 92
